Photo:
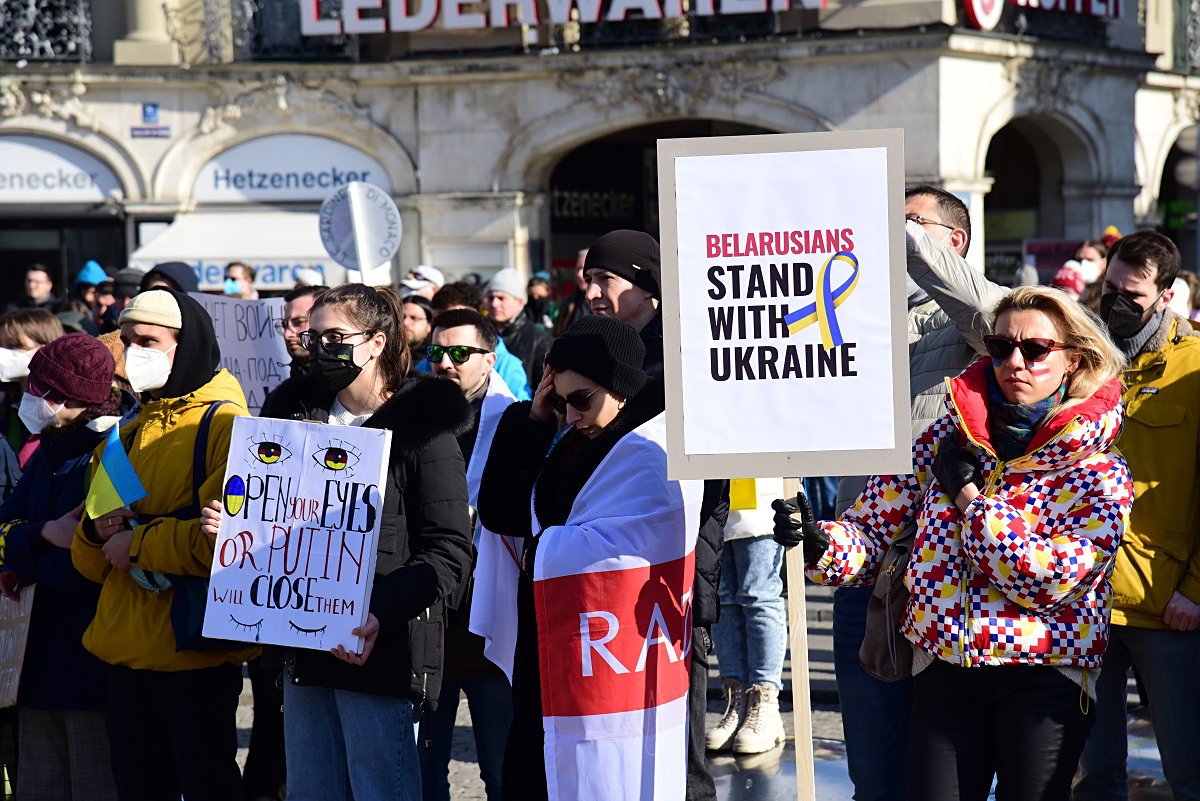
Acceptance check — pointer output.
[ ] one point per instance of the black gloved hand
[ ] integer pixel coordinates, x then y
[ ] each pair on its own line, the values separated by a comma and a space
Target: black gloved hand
790, 532
955, 467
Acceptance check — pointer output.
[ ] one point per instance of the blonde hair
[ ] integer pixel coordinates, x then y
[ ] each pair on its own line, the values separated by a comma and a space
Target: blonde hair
1099, 359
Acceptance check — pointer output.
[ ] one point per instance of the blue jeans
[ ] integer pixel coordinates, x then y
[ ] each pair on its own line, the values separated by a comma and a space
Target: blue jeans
875, 714
490, 699
751, 636
347, 746
1168, 663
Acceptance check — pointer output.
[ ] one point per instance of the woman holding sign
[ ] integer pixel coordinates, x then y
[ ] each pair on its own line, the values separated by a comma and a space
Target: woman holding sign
1019, 502
348, 728
71, 404
604, 594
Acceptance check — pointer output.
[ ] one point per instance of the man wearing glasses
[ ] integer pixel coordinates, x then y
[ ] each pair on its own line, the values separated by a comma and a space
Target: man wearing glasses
463, 351
297, 305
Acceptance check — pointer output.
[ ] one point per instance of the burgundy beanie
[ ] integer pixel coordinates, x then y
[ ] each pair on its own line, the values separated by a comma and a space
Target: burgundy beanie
76, 366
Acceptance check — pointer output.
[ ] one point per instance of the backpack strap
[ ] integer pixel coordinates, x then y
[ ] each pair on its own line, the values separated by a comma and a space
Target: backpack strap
200, 457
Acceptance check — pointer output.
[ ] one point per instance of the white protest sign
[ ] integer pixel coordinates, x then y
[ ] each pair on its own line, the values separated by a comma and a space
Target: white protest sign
361, 230
252, 348
784, 274
294, 560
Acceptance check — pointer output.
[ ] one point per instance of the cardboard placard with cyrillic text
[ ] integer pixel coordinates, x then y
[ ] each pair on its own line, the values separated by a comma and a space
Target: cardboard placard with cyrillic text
252, 346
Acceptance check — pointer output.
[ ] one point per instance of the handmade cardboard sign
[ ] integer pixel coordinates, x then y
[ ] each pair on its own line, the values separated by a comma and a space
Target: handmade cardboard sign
783, 273
295, 555
252, 348
14, 633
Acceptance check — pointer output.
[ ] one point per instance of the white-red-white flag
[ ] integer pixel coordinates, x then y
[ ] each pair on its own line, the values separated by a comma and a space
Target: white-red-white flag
613, 596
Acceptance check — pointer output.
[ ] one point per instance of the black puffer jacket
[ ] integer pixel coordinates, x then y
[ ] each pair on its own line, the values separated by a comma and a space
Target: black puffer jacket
424, 553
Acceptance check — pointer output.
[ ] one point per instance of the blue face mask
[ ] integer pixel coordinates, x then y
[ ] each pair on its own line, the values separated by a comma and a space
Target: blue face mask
231, 287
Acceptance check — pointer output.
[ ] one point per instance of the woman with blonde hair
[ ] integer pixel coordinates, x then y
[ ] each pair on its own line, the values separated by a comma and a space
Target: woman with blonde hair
1019, 500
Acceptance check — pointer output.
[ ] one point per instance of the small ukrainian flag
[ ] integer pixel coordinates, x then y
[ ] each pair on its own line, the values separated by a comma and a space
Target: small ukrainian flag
115, 484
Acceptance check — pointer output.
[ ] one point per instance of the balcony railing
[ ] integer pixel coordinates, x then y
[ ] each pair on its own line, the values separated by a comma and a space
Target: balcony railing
45, 30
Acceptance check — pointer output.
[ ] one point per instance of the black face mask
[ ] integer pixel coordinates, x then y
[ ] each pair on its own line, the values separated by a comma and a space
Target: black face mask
336, 370
538, 308
1124, 316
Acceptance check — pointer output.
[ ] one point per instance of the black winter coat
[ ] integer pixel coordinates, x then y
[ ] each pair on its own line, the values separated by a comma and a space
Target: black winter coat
59, 673
424, 553
714, 509
517, 465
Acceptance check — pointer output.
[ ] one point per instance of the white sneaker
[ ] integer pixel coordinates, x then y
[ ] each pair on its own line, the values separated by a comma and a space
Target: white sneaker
762, 729
721, 738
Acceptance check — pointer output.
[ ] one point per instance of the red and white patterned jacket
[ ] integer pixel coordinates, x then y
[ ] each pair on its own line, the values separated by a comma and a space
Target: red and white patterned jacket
1020, 577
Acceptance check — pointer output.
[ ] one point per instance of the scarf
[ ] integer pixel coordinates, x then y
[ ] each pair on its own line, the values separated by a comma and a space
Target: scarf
1012, 425
1133, 345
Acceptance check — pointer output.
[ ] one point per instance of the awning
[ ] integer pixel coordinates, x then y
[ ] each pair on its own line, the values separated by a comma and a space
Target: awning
276, 243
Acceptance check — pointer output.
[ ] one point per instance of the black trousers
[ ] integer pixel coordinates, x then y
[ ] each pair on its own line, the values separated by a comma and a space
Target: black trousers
175, 733
266, 767
700, 785
1025, 725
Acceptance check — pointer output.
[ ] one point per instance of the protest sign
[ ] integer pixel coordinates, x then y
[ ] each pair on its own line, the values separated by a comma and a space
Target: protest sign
14, 633
361, 230
783, 268
294, 560
252, 348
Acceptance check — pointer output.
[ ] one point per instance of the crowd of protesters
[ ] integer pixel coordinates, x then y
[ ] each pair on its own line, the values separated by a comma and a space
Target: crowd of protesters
1048, 537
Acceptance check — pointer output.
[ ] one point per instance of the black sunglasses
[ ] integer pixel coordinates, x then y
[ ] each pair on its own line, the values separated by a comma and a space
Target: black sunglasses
580, 399
457, 353
1033, 350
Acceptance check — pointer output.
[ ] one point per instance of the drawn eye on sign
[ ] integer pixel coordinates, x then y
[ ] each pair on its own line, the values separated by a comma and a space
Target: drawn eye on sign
318, 633
339, 456
248, 627
267, 450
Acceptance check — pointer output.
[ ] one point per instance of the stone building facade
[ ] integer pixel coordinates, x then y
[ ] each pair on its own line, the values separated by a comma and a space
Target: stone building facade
514, 146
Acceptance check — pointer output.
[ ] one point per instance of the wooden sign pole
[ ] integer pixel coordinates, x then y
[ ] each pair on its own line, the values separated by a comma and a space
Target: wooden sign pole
806, 789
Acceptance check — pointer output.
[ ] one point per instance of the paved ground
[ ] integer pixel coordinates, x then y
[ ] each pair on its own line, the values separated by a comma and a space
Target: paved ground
772, 776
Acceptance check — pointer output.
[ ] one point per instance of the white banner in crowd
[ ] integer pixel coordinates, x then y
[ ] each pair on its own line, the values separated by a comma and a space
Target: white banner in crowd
252, 348
784, 256
294, 561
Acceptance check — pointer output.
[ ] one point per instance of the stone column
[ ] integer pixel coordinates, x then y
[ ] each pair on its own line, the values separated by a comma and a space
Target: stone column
146, 42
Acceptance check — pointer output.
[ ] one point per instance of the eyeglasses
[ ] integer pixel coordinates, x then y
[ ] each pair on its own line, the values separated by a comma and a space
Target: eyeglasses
580, 399
457, 353
919, 220
1033, 350
327, 340
294, 324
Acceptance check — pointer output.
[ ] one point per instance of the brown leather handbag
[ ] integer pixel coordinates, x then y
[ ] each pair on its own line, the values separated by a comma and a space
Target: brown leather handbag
885, 653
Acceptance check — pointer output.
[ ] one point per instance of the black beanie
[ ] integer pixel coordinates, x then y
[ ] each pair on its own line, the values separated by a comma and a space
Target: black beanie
605, 350
633, 255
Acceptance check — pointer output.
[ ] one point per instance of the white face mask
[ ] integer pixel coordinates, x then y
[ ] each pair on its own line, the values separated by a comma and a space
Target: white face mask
146, 368
37, 414
14, 364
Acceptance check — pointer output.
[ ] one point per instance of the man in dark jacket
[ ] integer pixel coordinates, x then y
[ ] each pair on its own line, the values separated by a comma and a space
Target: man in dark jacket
39, 291
528, 341
467, 670
624, 281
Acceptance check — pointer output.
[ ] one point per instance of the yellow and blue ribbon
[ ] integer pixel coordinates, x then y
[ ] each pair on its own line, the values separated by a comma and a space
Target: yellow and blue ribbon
822, 310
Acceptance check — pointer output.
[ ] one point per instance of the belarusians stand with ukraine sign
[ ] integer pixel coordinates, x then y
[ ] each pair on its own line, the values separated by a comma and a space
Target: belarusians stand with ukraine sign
295, 555
784, 256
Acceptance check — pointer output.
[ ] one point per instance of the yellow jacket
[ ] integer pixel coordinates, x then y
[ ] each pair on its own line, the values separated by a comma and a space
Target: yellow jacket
1161, 442
132, 626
